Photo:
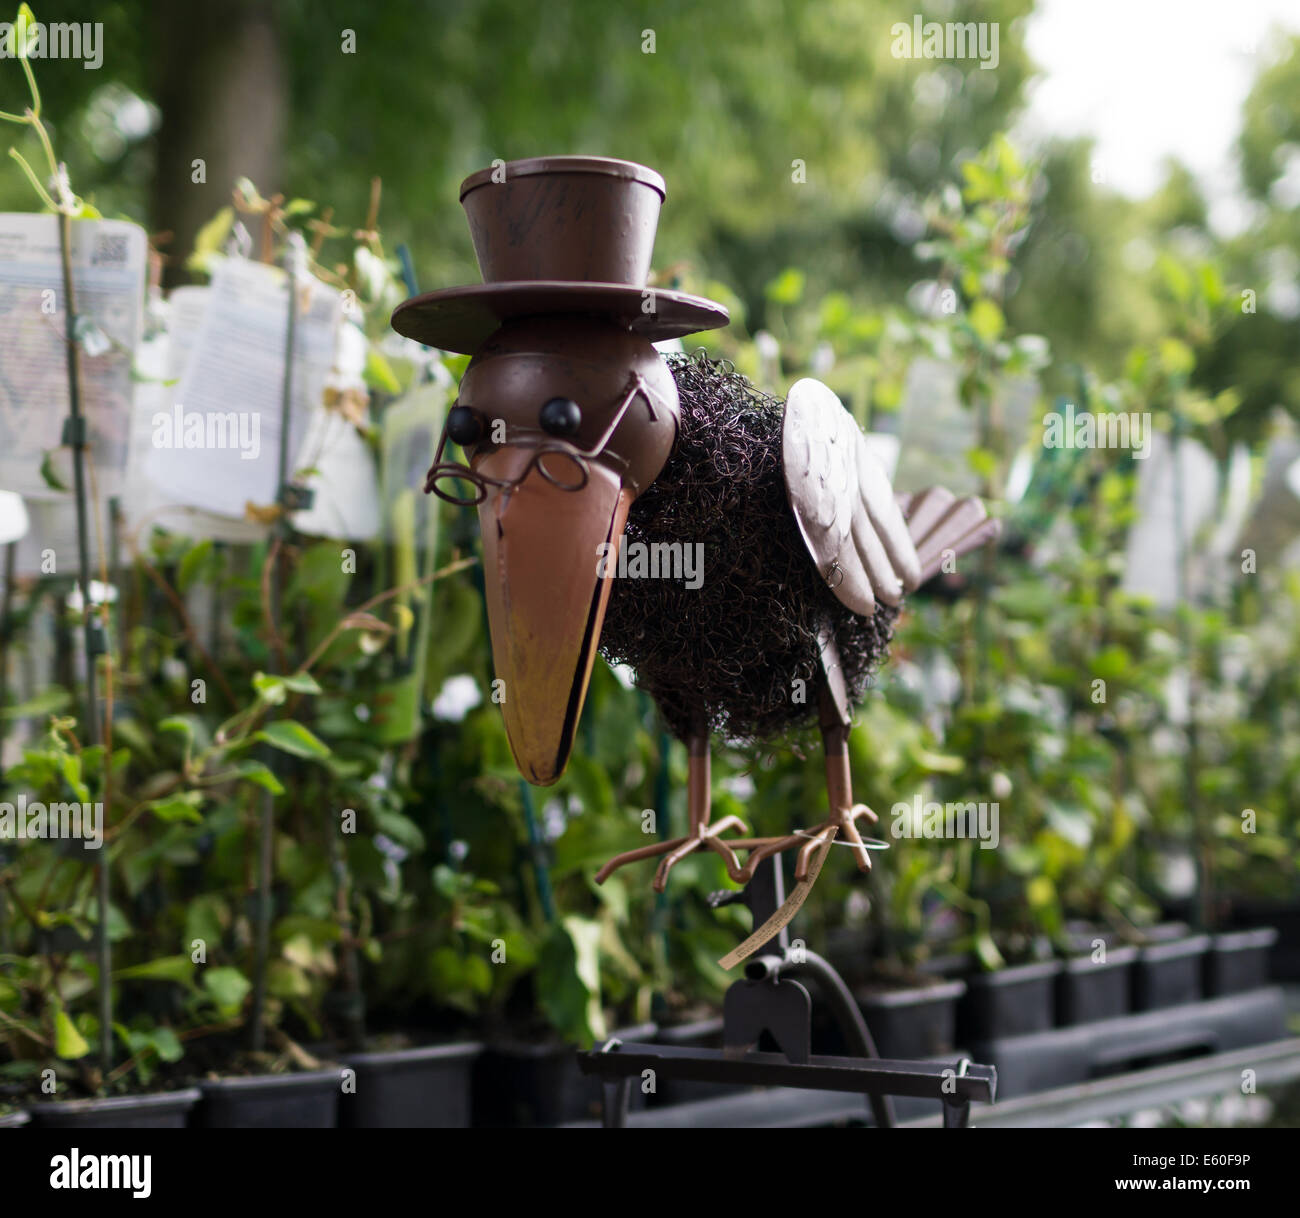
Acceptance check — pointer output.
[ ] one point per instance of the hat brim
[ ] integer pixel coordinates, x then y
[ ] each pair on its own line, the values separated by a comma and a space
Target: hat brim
461, 319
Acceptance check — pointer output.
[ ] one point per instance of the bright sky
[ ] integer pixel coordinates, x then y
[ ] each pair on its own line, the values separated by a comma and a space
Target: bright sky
1150, 78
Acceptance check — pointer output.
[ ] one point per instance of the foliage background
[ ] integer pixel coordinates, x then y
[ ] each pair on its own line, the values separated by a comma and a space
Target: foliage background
907, 182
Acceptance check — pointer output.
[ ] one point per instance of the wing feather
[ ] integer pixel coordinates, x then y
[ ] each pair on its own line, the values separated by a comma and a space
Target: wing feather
868, 544
843, 503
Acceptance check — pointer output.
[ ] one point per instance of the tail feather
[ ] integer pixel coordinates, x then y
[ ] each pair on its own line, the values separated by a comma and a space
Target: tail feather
927, 508
939, 523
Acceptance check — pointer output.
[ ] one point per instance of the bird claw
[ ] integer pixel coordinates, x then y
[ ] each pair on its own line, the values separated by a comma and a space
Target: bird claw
704, 837
808, 841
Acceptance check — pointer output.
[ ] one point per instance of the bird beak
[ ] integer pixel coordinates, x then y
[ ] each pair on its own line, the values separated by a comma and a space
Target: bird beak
547, 588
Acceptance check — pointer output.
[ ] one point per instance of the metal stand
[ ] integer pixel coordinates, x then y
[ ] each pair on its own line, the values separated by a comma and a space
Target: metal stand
773, 999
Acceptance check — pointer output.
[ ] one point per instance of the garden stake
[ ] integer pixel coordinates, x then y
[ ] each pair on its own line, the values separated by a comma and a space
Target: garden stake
1202, 915
75, 437
280, 533
6, 627
583, 442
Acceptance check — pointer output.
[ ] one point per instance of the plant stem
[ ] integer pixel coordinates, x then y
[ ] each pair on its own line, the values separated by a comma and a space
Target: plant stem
266, 833
102, 951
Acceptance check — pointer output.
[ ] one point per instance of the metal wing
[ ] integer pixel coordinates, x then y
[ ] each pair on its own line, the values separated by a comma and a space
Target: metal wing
844, 504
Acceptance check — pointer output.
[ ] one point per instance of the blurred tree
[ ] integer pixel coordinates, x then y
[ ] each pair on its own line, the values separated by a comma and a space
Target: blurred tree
218, 73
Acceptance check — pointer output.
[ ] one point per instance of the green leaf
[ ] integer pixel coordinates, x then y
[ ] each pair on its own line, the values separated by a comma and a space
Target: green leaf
211, 237
168, 1044
1211, 283
982, 462
205, 919
192, 564
50, 474
987, 951
302, 683
379, 374
986, 319
1177, 278
1176, 357
289, 736
287, 980
20, 37
228, 987
183, 806
68, 1042
260, 773
271, 690
47, 702
403, 830
165, 968
177, 723
568, 980
787, 287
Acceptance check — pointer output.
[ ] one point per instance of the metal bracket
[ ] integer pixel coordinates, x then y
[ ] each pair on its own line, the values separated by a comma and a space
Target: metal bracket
74, 432
780, 1007
618, 1094
294, 498
956, 1108
769, 999
765, 1001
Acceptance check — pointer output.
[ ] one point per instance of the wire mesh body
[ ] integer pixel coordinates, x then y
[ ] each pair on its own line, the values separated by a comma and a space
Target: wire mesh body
741, 649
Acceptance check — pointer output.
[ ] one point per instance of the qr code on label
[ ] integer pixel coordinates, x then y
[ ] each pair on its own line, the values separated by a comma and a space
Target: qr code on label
110, 250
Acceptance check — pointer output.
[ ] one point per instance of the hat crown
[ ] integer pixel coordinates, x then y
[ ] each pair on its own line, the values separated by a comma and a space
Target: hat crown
572, 219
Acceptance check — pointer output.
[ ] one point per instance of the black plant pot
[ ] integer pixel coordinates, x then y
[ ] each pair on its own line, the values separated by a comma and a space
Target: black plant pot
1088, 989
849, 950
1168, 974
698, 1034
157, 1110
920, 1021
1238, 961
307, 1100
424, 1088
1009, 1002
14, 1120
521, 1084
1284, 961
948, 965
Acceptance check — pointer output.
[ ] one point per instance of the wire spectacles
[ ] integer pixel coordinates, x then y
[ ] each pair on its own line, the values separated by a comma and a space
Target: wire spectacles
563, 464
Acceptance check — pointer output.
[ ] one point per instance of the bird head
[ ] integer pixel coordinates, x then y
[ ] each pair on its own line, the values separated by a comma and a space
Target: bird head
564, 420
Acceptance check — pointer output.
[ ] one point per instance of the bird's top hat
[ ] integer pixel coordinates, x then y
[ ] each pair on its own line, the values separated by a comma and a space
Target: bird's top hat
555, 235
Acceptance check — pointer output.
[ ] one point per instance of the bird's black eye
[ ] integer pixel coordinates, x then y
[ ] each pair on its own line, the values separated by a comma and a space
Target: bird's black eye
561, 417
464, 426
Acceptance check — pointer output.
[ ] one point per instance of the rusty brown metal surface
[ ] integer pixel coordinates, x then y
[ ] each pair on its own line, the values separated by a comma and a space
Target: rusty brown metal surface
567, 413
546, 602
461, 319
617, 379
702, 833
558, 235
571, 218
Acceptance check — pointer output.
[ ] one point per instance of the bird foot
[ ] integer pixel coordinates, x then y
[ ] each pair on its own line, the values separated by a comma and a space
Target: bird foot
844, 821
703, 837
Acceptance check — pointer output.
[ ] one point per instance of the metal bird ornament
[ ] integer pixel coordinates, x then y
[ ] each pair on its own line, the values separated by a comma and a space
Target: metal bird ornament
579, 436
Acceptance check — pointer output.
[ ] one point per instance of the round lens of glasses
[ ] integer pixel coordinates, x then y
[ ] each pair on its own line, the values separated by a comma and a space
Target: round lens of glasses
565, 470
455, 487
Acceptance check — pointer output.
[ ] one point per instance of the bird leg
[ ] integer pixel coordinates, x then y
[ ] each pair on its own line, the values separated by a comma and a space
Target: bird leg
701, 833
844, 813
